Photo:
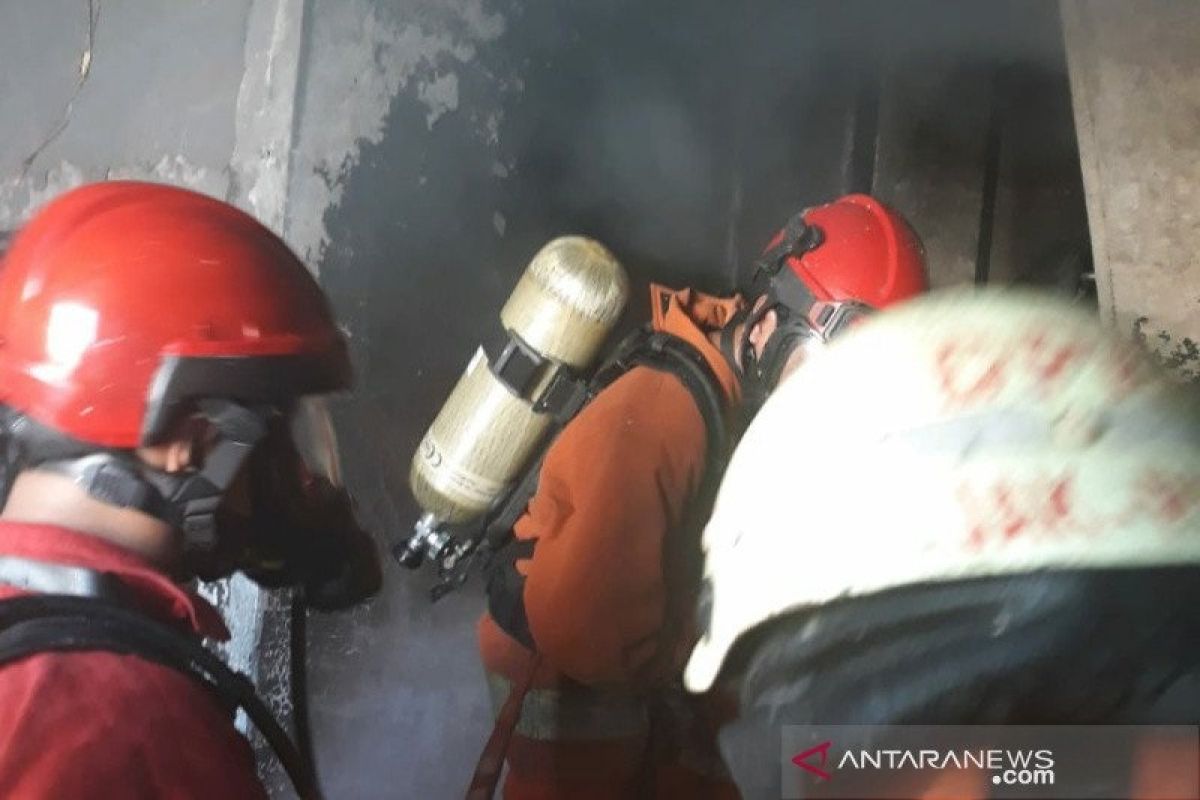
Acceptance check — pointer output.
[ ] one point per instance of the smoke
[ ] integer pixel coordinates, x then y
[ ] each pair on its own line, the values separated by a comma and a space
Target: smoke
685, 140
650, 164
680, 135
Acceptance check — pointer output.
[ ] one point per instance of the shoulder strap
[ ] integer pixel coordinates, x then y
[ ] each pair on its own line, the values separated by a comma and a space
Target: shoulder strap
645, 348
566, 396
668, 353
40, 623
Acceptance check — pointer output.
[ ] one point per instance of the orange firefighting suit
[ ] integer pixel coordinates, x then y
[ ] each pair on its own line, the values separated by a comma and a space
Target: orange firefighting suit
606, 606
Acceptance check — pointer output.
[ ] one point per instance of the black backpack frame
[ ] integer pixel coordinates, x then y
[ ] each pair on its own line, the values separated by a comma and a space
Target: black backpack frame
563, 399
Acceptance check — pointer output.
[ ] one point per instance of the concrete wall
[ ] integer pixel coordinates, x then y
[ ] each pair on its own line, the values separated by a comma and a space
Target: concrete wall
606, 119
131, 89
417, 152
1135, 79
411, 252
206, 95
976, 143
683, 147
146, 90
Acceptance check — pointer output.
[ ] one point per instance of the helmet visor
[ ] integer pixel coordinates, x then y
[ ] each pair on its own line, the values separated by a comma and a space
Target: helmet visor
315, 440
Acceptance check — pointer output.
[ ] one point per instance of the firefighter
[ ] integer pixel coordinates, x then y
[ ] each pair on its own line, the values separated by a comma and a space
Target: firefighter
977, 509
590, 608
162, 356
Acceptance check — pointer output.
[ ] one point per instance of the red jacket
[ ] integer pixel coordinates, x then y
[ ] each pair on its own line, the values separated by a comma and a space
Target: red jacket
76, 725
606, 609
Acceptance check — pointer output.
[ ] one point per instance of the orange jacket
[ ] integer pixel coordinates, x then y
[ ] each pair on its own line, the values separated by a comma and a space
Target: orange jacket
608, 611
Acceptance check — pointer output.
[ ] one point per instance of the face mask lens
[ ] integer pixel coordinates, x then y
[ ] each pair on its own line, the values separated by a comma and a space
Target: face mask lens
315, 440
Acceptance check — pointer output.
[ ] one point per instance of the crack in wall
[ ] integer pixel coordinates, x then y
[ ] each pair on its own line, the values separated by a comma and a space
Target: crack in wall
85, 69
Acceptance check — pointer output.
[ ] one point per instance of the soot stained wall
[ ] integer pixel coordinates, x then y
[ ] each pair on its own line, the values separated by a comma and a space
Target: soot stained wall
680, 139
419, 152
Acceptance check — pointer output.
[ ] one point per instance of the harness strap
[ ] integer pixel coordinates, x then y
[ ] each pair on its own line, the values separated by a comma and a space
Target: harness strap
574, 712
42, 623
735, 350
491, 760
655, 350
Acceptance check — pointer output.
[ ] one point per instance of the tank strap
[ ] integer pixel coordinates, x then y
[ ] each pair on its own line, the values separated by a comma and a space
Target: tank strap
515, 364
668, 353
566, 396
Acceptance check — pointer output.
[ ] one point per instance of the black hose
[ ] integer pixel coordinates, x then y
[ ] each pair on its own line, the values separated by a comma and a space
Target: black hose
301, 721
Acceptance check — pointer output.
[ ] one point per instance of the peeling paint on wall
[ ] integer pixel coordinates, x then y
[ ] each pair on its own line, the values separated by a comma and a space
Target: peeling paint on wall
96, 90
240, 598
179, 171
19, 196
440, 95
266, 103
1137, 101
1178, 355
359, 60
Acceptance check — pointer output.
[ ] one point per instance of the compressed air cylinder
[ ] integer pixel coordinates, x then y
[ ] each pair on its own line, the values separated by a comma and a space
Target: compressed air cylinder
562, 309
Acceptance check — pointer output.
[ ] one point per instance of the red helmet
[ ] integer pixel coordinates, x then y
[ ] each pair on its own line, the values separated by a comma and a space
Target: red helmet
125, 306
829, 266
855, 249
120, 301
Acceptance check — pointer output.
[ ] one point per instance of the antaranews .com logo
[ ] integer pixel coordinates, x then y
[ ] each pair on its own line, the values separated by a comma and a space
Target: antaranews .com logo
988, 761
1006, 767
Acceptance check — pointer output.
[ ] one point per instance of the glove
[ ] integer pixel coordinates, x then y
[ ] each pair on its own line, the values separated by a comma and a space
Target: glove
506, 590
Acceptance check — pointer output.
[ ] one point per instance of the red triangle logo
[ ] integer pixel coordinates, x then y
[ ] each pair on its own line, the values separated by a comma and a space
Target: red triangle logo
801, 760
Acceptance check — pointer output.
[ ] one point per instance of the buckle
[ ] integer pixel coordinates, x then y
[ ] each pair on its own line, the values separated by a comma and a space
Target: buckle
515, 364
830, 319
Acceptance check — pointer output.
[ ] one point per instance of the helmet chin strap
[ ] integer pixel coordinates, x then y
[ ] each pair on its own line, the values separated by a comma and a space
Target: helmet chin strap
791, 332
733, 346
760, 374
789, 298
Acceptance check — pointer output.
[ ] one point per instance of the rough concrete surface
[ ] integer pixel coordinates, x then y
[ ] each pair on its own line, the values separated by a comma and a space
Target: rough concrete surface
209, 96
1135, 79
930, 162
360, 55
136, 89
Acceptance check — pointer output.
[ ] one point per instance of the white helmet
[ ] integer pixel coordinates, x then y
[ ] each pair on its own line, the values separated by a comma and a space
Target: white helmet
964, 434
